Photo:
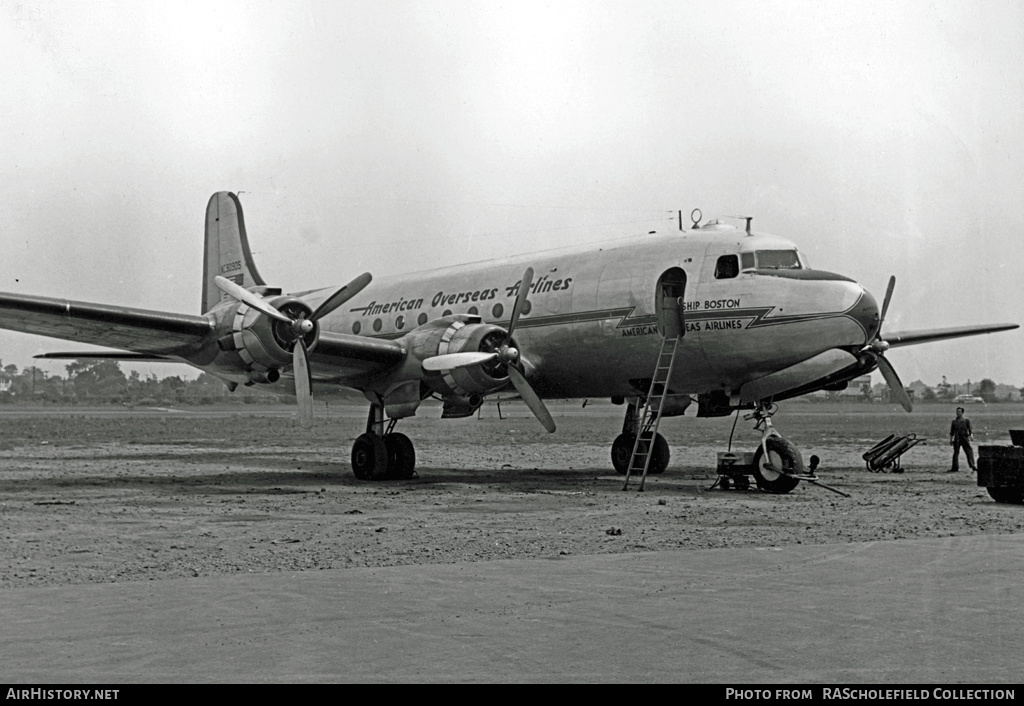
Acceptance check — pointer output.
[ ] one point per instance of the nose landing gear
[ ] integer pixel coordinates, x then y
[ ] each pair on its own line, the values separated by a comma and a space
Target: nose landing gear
778, 466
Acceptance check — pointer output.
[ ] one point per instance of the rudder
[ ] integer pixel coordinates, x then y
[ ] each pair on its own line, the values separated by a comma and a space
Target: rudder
227, 248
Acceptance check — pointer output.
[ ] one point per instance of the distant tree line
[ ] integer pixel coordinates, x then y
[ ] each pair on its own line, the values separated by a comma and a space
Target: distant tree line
987, 389
90, 381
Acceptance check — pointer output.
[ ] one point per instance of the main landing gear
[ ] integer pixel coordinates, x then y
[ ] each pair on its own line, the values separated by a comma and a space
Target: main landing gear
622, 447
389, 454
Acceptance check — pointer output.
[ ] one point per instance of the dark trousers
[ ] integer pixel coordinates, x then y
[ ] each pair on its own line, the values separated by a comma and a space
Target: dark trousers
966, 444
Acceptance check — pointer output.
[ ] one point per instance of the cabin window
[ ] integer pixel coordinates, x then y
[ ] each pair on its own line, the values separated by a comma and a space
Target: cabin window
377, 323
728, 267
356, 327
747, 261
422, 318
778, 260
473, 310
497, 311
400, 322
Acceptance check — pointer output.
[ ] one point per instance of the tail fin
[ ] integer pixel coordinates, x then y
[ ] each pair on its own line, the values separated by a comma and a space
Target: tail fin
227, 248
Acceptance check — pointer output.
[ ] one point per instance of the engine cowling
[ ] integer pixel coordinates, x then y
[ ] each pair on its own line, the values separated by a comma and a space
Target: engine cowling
262, 345
472, 381
455, 334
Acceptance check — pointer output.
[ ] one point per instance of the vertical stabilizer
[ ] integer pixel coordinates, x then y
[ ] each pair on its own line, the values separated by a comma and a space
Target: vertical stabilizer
227, 248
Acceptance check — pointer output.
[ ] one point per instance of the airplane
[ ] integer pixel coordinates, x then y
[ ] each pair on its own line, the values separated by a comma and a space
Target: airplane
751, 322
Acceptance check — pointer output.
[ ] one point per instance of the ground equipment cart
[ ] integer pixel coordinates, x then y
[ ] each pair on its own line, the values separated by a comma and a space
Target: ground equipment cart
1001, 469
885, 455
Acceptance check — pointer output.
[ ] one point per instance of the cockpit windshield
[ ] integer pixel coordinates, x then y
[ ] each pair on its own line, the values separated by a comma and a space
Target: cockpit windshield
778, 260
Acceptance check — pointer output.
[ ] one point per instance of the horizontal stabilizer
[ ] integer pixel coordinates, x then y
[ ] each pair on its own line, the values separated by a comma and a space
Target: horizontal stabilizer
910, 338
105, 355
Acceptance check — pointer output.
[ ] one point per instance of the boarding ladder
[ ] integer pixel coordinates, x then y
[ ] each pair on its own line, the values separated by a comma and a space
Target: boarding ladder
650, 417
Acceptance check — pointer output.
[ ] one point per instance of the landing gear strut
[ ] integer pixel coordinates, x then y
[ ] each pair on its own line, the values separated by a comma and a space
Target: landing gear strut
622, 447
384, 454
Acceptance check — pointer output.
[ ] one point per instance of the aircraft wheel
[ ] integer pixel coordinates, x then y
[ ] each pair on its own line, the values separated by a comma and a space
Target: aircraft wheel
742, 483
659, 461
1007, 495
622, 449
724, 483
401, 456
369, 457
781, 454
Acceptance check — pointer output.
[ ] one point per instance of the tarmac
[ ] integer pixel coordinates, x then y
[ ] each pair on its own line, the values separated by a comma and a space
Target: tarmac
936, 611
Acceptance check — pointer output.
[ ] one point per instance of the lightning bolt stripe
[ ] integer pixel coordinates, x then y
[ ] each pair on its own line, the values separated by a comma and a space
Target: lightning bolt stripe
758, 317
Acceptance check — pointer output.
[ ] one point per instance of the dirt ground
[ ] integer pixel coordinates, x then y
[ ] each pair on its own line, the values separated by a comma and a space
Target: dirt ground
110, 495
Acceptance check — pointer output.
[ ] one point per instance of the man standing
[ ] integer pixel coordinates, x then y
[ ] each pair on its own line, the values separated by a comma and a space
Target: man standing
960, 434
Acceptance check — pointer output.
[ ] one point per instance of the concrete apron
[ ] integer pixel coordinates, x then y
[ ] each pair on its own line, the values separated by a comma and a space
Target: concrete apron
910, 611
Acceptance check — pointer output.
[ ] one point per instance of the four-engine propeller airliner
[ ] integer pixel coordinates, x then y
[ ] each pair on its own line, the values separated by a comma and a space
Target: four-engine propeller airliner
751, 324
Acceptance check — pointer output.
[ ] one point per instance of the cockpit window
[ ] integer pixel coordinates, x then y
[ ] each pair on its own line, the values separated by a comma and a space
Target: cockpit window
747, 261
728, 266
778, 260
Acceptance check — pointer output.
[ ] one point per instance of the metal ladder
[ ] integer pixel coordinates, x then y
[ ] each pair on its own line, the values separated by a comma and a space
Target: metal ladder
650, 418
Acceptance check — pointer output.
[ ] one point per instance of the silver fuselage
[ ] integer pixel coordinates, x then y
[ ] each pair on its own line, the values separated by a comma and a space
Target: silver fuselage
592, 325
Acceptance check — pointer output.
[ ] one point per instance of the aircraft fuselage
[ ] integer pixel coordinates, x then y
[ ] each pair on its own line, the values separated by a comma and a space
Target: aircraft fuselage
592, 321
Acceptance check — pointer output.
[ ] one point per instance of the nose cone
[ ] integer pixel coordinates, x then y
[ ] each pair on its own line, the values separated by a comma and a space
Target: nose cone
866, 313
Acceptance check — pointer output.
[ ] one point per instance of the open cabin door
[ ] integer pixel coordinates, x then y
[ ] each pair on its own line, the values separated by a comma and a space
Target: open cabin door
668, 303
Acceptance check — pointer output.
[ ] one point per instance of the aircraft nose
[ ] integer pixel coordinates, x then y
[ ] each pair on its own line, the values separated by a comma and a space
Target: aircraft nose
866, 313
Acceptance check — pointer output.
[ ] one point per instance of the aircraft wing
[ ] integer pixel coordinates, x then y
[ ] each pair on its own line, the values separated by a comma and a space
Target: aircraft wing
141, 331
146, 335
340, 355
911, 338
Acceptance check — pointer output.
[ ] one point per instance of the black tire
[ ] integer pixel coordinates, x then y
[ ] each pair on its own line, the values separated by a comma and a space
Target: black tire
1007, 495
783, 455
401, 456
369, 457
622, 449
660, 459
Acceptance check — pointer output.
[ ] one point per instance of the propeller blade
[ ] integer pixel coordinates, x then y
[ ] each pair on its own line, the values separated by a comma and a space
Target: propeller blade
524, 292
456, 360
893, 380
885, 304
303, 383
531, 399
341, 296
244, 295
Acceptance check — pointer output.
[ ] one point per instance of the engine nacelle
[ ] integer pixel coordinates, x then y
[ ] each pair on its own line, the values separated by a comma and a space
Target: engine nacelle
461, 334
262, 345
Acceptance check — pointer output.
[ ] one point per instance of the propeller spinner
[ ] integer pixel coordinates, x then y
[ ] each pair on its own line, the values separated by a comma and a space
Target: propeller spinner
299, 327
506, 354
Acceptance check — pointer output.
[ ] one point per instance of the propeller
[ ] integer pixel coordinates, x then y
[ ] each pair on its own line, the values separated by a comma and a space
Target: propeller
300, 326
877, 348
505, 354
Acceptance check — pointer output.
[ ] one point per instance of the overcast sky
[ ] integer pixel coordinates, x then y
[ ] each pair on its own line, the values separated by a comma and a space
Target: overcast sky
883, 137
